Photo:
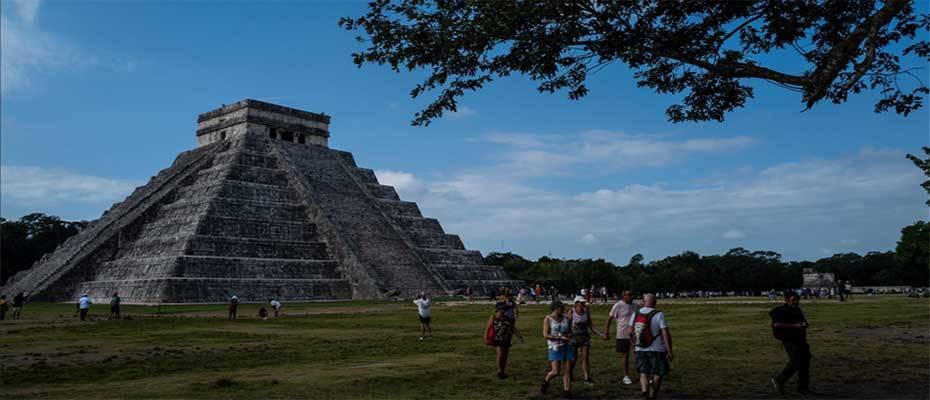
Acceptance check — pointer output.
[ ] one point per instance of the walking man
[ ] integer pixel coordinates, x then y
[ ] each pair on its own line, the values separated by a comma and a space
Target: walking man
790, 327
653, 346
114, 306
423, 303
18, 302
623, 312
84, 306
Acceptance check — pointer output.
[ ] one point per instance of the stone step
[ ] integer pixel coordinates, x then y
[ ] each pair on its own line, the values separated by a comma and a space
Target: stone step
433, 240
257, 228
261, 248
470, 272
248, 267
240, 190
248, 158
383, 192
366, 175
153, 246
244, 173
259, 210
217, 290
451, 256
419, 224
400, 208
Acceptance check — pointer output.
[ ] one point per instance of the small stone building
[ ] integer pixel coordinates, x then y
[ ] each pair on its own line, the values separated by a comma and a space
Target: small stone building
261, 208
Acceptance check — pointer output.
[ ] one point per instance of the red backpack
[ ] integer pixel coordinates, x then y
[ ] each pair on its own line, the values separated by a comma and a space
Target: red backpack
642, 331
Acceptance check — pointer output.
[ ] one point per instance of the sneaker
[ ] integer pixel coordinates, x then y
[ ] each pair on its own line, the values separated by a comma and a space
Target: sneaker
627, 380
589, 382
421, 338
778, 387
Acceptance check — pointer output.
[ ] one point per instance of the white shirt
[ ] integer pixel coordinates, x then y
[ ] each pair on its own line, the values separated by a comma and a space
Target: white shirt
656, 325
276, 304
423, 307
84, 302
623, 314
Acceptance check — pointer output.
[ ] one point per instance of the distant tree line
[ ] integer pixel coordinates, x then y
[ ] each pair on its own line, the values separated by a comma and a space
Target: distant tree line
736, 270
26, 240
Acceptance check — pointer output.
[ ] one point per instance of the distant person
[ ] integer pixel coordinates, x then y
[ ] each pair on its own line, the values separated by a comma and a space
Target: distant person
504, 330
582, 327
423, 311
276, 307
521, 296
623, 312
84, 306
848, 291
18, 301
114, 306
469, 292
4, 307
233, 307
790, 327
841, 291
539, 293
263, 313
653, 345
558, 334
604, 294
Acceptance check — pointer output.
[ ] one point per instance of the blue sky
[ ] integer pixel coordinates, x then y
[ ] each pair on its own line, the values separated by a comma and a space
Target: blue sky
97, 97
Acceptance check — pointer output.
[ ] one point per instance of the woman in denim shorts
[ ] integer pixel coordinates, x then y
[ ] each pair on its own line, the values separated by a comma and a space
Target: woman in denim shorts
558, 333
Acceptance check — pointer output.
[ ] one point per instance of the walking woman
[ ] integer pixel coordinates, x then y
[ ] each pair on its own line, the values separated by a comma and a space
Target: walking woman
504, 330
558, 333
582, 325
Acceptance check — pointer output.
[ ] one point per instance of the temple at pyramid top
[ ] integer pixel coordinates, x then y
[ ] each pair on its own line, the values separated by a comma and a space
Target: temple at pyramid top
262, 208
264, 119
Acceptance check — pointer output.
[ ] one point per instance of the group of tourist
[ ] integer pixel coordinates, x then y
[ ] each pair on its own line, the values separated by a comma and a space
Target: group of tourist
642, 330
233, 308
568, 337
18, 301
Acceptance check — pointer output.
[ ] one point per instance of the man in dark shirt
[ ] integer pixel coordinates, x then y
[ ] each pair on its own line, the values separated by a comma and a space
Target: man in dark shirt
789, 326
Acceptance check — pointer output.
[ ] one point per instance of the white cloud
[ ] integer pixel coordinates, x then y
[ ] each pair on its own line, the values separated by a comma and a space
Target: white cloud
588, 238
27, 51
38, 187
795, 208
538, 155
462, 112
734, 234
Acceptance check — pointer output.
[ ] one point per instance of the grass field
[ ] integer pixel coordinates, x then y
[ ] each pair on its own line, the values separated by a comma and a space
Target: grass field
873, 347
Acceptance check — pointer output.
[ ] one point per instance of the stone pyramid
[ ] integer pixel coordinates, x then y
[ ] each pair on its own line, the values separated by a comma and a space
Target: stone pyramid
261, 208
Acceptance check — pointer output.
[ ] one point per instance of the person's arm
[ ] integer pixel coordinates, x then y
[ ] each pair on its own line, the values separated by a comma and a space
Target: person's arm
667, 337
546, 328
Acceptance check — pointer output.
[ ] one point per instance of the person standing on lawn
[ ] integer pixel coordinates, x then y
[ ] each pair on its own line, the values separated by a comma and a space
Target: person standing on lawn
4, 306
114, 306
790, 327
558, 333
504, 330
653, 345
18, 301
622, 312
233, 307
276, 307
84, 306
423, 311
582, 326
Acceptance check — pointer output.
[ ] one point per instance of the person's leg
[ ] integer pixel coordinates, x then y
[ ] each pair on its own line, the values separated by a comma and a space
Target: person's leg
791, 367
571, 364
83, 314
804, 364
626, 363
644, 382
566, 376
499, 351
585, 365
429, 331
656, 384
553, 371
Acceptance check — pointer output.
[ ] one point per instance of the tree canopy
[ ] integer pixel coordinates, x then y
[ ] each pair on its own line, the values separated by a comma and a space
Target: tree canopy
25, 241
703, 50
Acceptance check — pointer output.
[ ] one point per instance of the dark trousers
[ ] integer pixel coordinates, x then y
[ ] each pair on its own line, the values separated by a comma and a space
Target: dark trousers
799, 360
84, 314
